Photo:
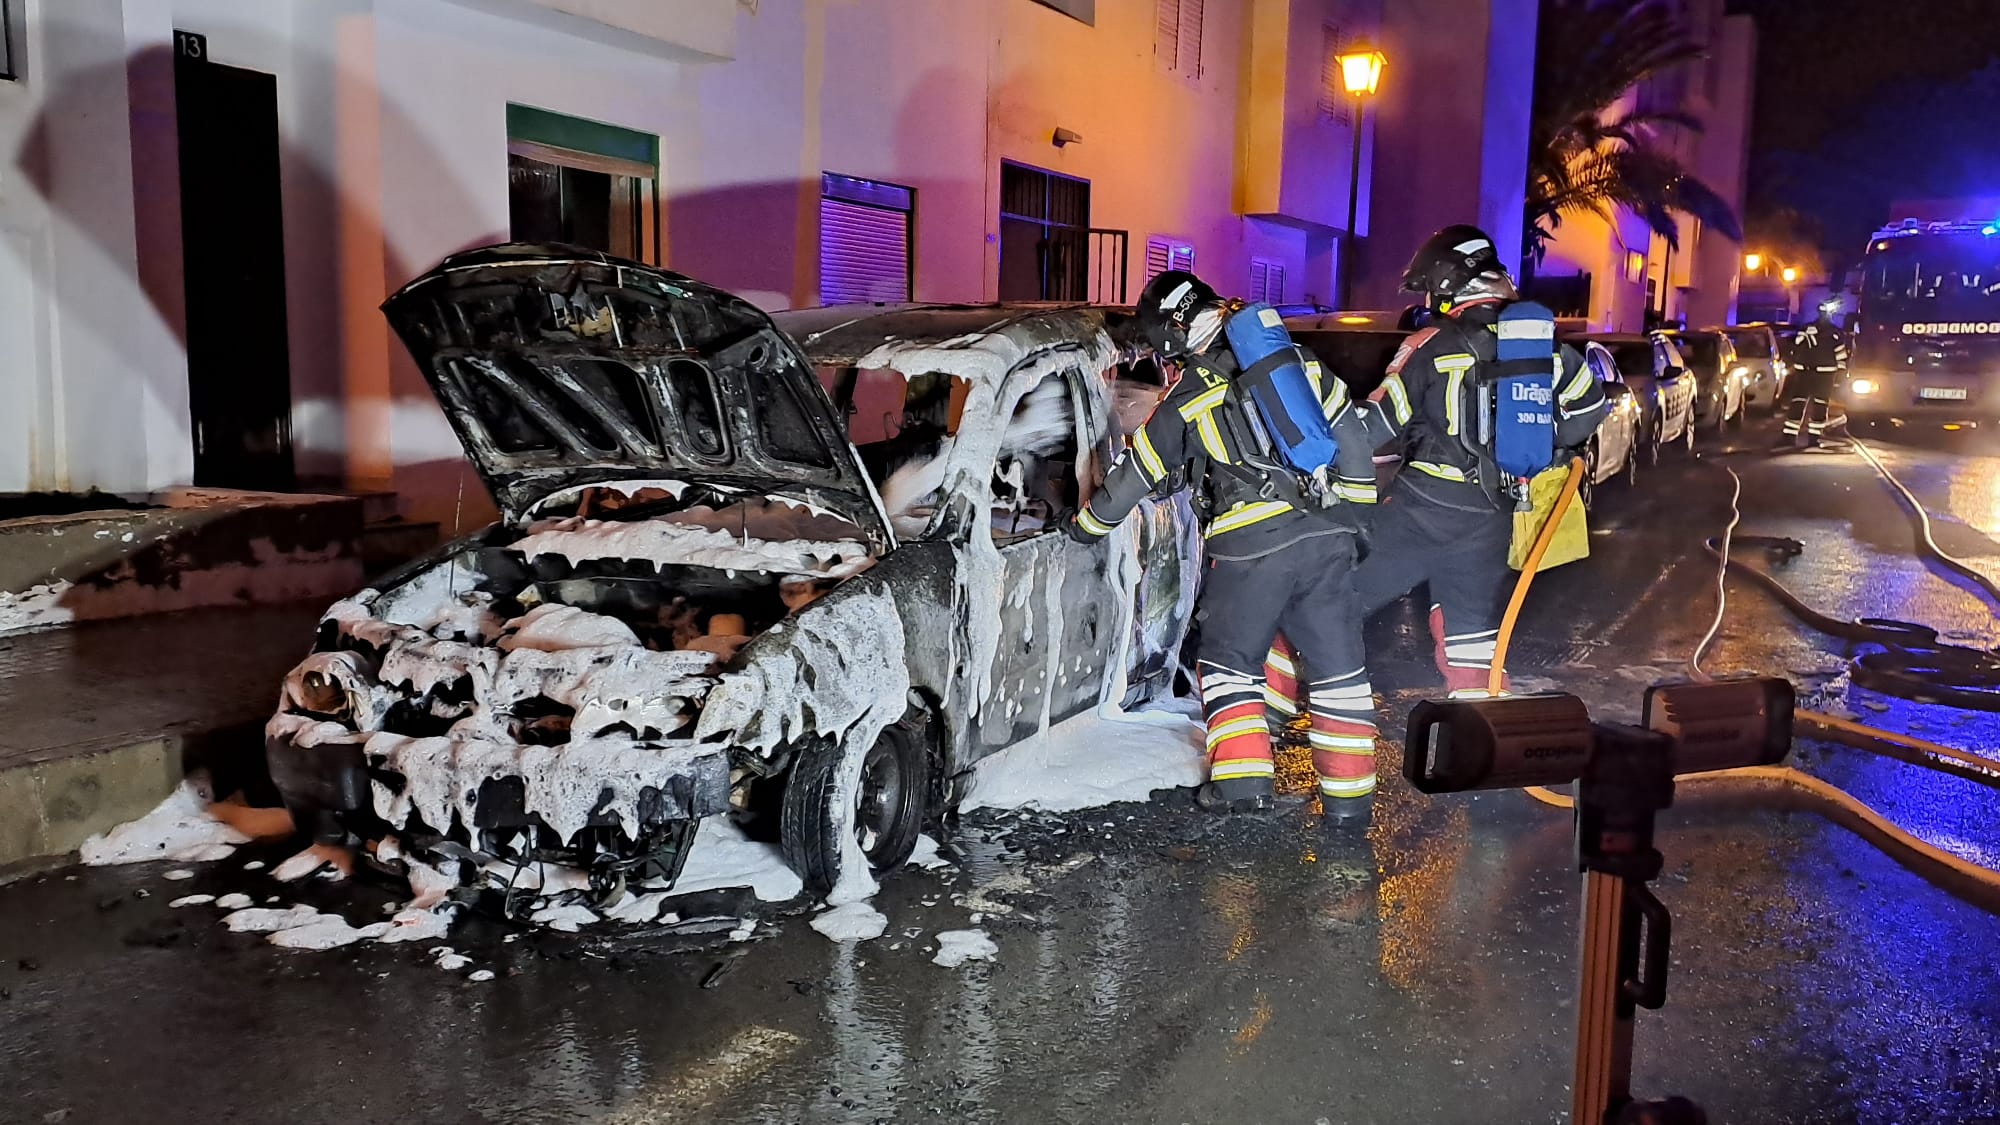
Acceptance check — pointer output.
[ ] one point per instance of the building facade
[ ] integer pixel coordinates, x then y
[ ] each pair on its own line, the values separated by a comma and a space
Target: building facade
1623, 276
209, 200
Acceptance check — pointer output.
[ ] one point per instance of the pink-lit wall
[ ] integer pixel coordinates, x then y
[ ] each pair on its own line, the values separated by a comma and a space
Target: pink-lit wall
392, 115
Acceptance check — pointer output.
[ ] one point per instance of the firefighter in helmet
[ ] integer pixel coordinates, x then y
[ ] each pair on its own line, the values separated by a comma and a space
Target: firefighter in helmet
1280, 551
1819, 362
1448, 517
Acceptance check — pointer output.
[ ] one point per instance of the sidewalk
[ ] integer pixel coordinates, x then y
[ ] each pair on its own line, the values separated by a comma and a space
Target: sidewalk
100, 721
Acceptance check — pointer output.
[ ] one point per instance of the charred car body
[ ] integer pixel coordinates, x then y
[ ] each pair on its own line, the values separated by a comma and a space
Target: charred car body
697, 600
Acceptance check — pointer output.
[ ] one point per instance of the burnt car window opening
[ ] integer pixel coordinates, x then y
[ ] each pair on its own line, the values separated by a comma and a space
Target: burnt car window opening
1034, 474
693, 392
1136, 391
898, 426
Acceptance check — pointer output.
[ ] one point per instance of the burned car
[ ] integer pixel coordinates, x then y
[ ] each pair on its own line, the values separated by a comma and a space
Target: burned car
806, 571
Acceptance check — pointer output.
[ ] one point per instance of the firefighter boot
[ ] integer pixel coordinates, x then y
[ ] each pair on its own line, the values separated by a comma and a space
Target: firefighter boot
1238, 795
1346, 814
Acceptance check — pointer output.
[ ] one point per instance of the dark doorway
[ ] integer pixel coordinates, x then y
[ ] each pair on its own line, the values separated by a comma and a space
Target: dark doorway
233, 232
1044, 235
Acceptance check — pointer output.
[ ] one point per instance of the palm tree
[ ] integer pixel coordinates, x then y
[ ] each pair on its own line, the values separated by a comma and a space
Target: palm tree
1586, 153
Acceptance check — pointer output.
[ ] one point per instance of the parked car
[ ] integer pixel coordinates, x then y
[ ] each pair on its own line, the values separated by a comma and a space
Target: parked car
1652, 366
1720, 379
697, 599
1757, 354
1621, 439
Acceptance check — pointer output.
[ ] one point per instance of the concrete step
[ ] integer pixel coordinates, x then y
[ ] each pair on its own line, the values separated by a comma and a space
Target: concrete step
106, 718
387, 545
192, 547
377, 507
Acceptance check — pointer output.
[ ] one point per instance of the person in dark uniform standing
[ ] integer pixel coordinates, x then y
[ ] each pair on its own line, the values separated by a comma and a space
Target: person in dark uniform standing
1819, 361
1280, 556
1448, 518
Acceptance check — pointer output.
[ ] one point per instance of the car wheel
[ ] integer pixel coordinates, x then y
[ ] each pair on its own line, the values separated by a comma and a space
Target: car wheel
879, 802
1735, 421
1631, 470
1653, 443
1687, 435
1586, 489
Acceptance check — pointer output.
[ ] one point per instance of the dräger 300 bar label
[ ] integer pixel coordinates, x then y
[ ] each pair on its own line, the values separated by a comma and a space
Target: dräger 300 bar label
1953, 328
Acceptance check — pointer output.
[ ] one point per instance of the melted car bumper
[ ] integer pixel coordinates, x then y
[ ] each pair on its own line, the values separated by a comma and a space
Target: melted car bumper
637, 785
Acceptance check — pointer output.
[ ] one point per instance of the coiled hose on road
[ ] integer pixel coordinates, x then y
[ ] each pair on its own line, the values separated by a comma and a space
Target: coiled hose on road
1784, 785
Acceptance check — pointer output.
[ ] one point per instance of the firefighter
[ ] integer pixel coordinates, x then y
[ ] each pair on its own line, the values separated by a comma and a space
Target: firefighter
1819, 360
1448, 517
1281, 553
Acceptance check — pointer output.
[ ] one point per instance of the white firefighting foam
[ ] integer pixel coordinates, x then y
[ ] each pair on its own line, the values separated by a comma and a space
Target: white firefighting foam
956, 947
1091, 760
664, 541
180, 828
848, 922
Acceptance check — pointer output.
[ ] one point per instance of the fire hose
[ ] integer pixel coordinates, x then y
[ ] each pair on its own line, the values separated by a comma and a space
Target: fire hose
1792, 788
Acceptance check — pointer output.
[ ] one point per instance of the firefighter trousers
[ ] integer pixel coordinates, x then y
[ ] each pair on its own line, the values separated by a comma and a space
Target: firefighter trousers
1304, 591
1462, 557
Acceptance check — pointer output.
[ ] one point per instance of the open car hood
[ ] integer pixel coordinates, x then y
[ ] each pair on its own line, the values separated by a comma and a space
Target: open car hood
561, 367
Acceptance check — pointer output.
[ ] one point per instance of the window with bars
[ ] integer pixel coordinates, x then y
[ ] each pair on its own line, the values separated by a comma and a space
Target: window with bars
864, 240
1177, 37
1164, 253
1044, 235
1335, 106
1267, 281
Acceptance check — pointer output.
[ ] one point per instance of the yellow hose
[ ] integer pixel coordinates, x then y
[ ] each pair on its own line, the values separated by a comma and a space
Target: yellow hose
1787, 785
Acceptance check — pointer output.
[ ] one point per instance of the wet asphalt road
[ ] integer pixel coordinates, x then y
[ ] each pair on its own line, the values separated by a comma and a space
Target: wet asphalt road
1157, 965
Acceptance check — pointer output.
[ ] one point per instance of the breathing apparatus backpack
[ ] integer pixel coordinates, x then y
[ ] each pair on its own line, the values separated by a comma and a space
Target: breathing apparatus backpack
1515, 411
1278, 393
1516, 415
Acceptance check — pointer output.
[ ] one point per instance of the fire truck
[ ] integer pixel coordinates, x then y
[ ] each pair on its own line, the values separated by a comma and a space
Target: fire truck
1926, 325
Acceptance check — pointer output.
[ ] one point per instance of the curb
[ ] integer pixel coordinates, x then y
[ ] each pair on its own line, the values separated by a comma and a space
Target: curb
50, 806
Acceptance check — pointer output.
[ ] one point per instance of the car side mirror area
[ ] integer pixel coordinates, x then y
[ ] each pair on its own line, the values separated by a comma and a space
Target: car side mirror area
1674, 372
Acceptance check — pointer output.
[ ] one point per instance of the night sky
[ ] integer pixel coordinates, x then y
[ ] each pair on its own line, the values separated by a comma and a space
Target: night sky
1862, 102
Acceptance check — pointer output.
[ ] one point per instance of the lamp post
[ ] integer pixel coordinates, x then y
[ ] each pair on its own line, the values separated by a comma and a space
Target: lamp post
1361, 74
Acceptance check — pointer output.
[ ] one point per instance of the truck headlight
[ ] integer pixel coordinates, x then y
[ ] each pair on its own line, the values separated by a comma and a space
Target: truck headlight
1863, 386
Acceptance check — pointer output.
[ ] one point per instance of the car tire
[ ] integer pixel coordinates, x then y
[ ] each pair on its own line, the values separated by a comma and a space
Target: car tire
1653, 443
1688, 434
886, 810
1586, 489
1630, 472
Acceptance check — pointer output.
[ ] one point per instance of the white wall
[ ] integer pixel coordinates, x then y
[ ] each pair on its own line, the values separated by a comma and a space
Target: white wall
96, 391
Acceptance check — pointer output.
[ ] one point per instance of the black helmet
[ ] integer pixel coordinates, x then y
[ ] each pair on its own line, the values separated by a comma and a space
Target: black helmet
1451, 261
1167, 309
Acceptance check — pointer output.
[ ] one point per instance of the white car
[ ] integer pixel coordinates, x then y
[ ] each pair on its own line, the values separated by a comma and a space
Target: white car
1617, 446
1658, 376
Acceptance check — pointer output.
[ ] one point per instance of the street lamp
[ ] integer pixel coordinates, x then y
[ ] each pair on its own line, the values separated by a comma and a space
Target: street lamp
1753, 262
1361, 74
1789, 274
